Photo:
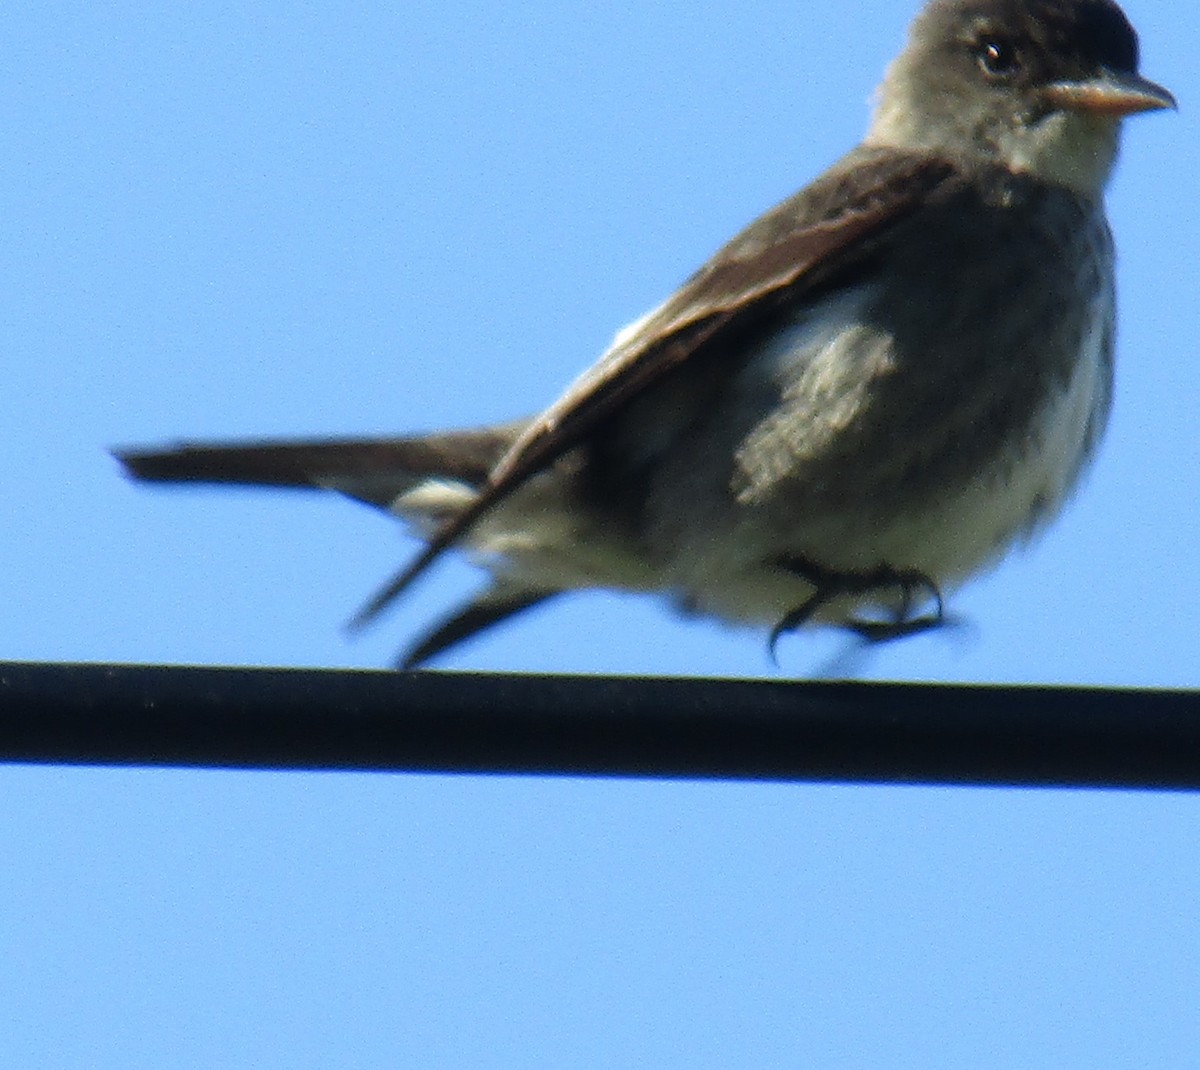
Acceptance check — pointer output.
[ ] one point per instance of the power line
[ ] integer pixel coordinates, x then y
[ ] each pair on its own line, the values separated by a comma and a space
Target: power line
606, 726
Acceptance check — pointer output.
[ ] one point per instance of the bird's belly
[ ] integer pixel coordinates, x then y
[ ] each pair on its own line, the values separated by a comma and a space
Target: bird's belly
947, 539
961, 513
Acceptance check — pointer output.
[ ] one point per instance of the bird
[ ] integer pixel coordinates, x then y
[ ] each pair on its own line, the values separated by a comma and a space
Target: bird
866, 397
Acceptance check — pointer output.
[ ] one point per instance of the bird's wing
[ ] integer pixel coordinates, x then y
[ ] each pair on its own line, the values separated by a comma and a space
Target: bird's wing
789, 251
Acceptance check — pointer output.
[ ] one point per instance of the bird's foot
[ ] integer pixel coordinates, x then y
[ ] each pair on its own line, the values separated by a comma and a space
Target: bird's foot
914, 586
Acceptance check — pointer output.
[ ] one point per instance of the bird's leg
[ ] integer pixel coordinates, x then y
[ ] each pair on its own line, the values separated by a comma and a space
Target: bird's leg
829, 584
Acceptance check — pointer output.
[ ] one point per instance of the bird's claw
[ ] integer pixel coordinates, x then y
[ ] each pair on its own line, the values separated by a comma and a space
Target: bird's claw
830, 584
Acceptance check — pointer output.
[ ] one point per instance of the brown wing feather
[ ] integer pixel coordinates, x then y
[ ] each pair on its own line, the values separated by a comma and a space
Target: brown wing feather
785, 253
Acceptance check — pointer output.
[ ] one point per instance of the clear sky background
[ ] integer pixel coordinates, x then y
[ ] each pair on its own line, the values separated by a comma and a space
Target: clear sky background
239, 220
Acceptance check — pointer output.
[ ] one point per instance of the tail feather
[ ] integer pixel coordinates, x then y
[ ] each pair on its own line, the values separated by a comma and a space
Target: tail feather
430, 481
495, 605
376, 471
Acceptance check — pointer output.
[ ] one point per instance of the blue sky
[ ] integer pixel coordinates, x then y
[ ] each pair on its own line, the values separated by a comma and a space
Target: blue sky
242, 220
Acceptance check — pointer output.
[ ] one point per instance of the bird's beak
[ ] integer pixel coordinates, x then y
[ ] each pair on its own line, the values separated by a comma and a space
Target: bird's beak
1111, 94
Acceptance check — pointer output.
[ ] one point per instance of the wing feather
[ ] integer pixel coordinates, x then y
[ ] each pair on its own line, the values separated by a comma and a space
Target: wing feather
776, 260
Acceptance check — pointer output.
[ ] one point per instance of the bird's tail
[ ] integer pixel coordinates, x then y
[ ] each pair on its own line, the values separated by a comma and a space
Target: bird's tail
425, 480
379, 471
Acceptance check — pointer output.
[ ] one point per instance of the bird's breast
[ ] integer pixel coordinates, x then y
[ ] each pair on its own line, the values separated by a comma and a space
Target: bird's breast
923, 418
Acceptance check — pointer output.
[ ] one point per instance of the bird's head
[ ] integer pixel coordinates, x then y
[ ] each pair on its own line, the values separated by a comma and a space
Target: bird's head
1039, 86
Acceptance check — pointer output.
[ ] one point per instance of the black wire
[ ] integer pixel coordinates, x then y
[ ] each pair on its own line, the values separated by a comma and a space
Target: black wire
607, 726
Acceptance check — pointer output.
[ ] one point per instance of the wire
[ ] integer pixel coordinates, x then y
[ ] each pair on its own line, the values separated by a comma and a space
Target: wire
92, 714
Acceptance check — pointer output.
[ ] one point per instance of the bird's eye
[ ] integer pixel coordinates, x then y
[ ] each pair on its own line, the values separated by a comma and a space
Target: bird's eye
997, 57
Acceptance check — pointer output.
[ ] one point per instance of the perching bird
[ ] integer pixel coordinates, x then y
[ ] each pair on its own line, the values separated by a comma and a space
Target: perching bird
863, 399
